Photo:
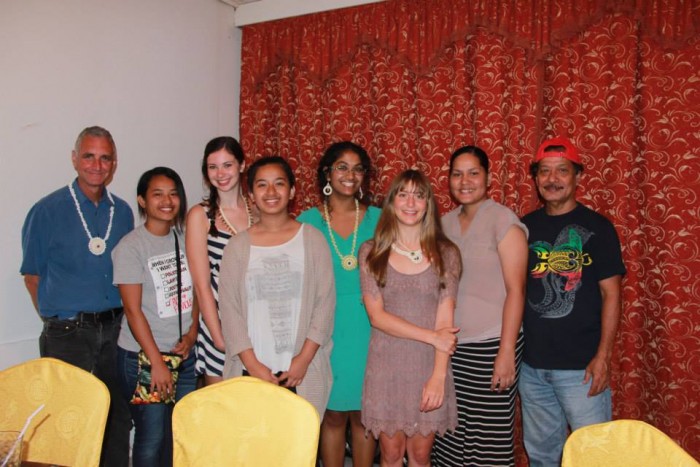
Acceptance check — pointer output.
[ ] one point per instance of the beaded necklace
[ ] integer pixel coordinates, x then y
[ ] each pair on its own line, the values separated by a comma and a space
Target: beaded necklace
349, 261
229, 225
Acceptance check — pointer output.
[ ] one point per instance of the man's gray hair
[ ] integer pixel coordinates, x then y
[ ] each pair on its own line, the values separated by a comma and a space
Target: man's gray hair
98, 132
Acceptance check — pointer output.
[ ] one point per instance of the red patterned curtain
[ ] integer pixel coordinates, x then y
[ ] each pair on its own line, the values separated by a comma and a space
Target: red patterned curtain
411, 80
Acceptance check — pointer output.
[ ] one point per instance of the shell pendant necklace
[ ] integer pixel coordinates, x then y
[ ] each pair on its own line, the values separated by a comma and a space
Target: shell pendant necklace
229, 225
97, 245
349, 261
416, 256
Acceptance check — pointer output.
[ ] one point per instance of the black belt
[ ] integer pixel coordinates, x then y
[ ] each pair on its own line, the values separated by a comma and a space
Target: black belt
106, 316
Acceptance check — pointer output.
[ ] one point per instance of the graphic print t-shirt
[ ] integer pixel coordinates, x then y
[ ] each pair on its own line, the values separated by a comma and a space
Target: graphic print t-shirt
149, 260
568, 255
274, 283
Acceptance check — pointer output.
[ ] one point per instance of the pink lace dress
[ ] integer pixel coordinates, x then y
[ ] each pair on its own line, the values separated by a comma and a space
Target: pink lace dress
398, 368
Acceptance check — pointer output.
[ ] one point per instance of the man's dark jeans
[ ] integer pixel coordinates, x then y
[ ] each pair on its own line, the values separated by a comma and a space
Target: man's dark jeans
92, 346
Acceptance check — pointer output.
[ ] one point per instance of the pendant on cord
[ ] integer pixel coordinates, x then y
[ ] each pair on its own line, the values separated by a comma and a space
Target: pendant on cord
349, 262
97, 246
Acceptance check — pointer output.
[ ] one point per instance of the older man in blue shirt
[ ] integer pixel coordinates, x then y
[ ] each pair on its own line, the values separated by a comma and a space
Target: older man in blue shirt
67, 241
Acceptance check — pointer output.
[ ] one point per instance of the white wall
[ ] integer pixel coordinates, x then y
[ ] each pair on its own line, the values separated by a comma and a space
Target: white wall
161, 75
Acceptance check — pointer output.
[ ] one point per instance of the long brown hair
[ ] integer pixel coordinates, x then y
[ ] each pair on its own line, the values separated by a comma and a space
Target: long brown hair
432, 238
231, 146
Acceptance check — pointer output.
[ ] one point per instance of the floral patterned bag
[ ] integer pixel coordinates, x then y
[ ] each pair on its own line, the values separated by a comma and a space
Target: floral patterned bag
142, 393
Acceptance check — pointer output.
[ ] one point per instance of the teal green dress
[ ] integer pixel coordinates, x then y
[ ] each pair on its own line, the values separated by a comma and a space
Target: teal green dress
351, 330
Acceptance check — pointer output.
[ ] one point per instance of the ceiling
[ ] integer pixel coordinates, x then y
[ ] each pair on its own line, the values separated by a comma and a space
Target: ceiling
237, 3
257, 11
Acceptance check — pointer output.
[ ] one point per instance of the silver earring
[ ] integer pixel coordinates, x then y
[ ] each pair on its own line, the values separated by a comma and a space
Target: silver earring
328, 189
361, 194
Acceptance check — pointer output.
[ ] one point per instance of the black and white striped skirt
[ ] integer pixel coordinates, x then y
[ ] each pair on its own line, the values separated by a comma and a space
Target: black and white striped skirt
484, 436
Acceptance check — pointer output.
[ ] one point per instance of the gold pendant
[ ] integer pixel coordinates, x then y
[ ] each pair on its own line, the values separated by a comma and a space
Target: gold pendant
349, 262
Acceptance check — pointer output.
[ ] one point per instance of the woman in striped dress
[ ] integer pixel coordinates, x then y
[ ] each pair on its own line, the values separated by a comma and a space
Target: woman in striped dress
210, 225
490, 301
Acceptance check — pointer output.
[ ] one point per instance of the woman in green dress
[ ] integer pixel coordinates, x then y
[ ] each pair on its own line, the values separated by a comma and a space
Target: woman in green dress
346, 220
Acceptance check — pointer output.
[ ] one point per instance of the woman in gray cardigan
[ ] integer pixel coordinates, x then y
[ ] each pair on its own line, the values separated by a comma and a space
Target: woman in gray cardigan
277, 293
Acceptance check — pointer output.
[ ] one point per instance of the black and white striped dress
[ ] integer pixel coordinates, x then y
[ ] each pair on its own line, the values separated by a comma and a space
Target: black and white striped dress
210, 361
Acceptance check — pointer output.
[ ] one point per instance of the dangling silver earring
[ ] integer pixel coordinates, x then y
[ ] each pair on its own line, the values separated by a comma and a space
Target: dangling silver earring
361, 194
328, 189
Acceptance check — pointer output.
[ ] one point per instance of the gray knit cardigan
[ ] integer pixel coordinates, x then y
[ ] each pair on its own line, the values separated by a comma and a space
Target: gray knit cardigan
315, 320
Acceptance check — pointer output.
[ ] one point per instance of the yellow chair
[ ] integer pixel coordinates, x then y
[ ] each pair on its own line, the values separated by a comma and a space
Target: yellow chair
70, 427
623, 443
245, 422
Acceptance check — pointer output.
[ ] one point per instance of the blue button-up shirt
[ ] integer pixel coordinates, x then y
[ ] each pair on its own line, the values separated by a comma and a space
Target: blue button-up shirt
55, 248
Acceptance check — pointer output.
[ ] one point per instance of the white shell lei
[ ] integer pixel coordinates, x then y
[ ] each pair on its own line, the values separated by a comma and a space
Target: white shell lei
97, 245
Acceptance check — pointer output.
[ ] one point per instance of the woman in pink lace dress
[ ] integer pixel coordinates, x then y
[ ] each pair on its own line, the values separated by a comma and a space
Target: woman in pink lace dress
409, 276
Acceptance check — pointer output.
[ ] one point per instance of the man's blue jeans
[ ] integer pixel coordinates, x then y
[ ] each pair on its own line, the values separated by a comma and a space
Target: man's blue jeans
153, 439
551, 400
93, 347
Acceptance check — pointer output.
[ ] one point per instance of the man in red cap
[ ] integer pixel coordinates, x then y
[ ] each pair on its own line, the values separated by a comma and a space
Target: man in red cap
572, 309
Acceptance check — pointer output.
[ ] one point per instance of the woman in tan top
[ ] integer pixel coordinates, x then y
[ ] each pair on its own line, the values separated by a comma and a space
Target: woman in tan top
490, 302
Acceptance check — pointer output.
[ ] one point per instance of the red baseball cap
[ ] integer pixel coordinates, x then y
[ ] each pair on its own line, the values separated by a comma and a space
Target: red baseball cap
570, 152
